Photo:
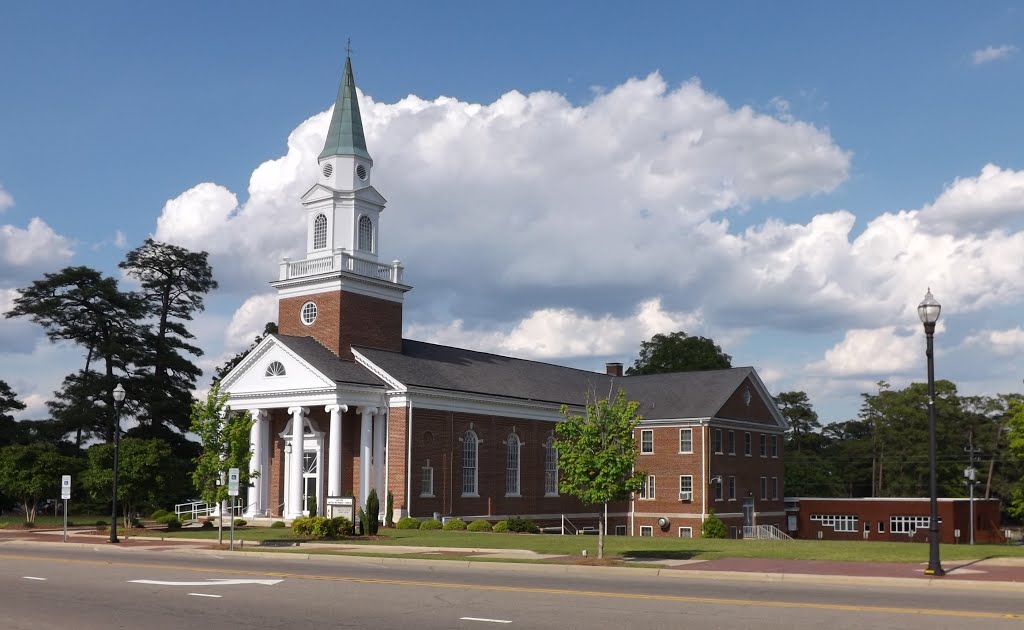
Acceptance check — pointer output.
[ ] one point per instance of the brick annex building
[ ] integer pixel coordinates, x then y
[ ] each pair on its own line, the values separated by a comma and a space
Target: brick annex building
342, 403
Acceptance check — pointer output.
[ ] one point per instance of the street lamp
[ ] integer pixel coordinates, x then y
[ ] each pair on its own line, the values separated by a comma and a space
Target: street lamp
928, 311
118, 399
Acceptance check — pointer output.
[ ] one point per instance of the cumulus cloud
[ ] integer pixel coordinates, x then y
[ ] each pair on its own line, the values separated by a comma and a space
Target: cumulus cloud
992, 53
979, 203
6, 200
249, 320
1009, 342
34, 247
552, 333
881, 351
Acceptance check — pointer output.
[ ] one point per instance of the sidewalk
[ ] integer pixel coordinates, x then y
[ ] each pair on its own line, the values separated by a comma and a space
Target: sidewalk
991, 573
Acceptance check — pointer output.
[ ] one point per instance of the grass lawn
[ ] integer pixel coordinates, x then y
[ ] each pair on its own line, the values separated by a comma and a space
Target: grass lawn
54, 521
636, 547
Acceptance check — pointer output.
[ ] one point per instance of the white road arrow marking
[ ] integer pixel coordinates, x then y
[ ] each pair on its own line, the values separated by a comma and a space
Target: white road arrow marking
205, 595
482, 619
207, 582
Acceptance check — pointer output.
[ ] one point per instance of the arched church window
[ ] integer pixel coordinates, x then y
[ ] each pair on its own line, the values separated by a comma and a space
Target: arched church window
550, 468
470, 468
320, 232
275, 369
365, 234
512, 450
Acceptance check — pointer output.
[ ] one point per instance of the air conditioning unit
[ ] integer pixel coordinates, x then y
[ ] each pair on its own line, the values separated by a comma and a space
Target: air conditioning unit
685, 496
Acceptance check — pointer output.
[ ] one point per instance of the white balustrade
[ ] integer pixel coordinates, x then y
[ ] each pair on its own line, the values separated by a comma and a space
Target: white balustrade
342, 260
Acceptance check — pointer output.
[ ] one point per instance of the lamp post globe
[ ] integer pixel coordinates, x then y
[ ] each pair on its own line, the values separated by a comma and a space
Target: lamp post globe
118, 400
928, 310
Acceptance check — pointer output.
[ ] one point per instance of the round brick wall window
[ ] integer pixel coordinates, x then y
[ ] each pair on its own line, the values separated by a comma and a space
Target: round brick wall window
308, 313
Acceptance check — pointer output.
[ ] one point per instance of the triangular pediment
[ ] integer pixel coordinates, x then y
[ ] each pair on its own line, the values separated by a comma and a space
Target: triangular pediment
319, 192
271, 367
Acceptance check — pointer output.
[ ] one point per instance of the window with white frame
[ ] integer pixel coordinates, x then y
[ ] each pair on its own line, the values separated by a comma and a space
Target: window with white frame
718, 489
646, 530
732, 488
646, 441
908, 524
775, 446
647, 489
746, 444
838, 522
685, 440
470, 467
732, 442
427, 481
716, 441
550, 468
764, 488
620, 530
320, 231
276, 368
365, 234
775, 488
685, 487
764, 445
686, 532
881, 527
512, 451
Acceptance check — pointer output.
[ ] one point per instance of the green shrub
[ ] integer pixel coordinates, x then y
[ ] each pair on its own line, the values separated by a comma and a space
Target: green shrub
408, 523
136, 523
455, 525
322, 527
157, 514
372, 513
241, 522
479, 525
29, 524
277, 525
501, 527
712, 527
166, 518
431, 523
101, 523
389, 511
207, 524
172, 523
522, 525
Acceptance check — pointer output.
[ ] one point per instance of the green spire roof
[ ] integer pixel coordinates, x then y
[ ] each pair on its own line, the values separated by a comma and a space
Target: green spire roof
345, 135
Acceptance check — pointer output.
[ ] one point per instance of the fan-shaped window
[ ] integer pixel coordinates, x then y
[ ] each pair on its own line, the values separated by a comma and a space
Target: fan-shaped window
512, 450
550, 468
275, 369
470, 463
320, 232
365, 234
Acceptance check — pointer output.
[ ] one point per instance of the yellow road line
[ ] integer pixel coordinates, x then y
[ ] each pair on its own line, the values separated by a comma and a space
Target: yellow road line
544, 591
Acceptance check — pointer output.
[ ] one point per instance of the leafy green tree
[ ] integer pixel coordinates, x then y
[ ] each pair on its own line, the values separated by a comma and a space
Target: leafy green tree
142, 473
222, 370
8, 403
678, 352
225, 439
1015, 423
712, 527
174, 281
597, 452
80, 305
800, 414
31, 472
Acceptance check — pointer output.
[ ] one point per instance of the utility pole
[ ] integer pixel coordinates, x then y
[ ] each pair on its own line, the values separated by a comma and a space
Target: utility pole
971, 473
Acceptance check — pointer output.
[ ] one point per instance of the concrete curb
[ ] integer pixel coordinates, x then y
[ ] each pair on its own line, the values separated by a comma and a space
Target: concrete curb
498, 566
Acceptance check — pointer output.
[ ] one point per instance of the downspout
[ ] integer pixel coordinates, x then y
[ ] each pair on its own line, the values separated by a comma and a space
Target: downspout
408, 465
705, 472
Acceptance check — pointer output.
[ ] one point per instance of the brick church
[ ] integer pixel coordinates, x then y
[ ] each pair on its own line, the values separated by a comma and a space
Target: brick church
342, 403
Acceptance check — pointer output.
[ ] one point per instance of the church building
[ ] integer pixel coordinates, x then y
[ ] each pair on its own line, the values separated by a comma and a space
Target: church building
342, 403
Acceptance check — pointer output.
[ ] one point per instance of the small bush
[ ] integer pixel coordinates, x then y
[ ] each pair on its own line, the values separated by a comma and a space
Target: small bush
322, 527
241, 522
522, 525
29, 524
137, 523
501, 527
712, 527
172, 523
408, 522
207, 525
277, 525
455, 525
431, 523
101, 523
479, 525
157, 514
167, 518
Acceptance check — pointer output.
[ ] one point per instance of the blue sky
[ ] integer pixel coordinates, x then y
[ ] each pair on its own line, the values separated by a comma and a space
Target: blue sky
110, 112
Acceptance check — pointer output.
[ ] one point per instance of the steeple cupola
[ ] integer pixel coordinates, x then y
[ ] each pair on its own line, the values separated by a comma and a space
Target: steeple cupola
345, 163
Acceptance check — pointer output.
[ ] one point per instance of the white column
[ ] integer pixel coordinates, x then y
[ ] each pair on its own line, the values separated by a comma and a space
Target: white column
254, 506
379, 435
295, 507
264, 480
365, 452
334, 450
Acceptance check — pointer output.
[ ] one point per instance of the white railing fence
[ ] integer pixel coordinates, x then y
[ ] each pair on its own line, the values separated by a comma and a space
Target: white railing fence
764, 532
342, 260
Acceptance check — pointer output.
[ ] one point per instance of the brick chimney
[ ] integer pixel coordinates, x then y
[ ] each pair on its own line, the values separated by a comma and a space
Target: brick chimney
613, 369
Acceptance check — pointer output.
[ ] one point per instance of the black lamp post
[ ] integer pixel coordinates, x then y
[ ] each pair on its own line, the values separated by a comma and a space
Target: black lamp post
118, 399
928, 311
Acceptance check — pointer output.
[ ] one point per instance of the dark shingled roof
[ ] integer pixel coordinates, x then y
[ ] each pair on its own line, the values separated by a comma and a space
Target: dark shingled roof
676, 395
325, 361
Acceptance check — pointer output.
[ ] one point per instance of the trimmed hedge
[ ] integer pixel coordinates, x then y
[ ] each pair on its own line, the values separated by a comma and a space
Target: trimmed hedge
501, 527
455, 525
522, 525
322, 527
431, 523
479, 525
277, 525
155, 516
408, 522
241, 522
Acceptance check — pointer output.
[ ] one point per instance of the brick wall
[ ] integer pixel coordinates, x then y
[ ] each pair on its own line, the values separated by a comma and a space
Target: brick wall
736, 408
344, 319
397, 447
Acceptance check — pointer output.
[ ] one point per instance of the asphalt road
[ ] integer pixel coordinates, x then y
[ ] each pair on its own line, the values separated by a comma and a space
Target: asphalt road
74, 587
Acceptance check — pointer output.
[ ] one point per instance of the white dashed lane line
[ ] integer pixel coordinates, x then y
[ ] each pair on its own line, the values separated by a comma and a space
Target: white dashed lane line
205, 595
485, 620
29, 577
